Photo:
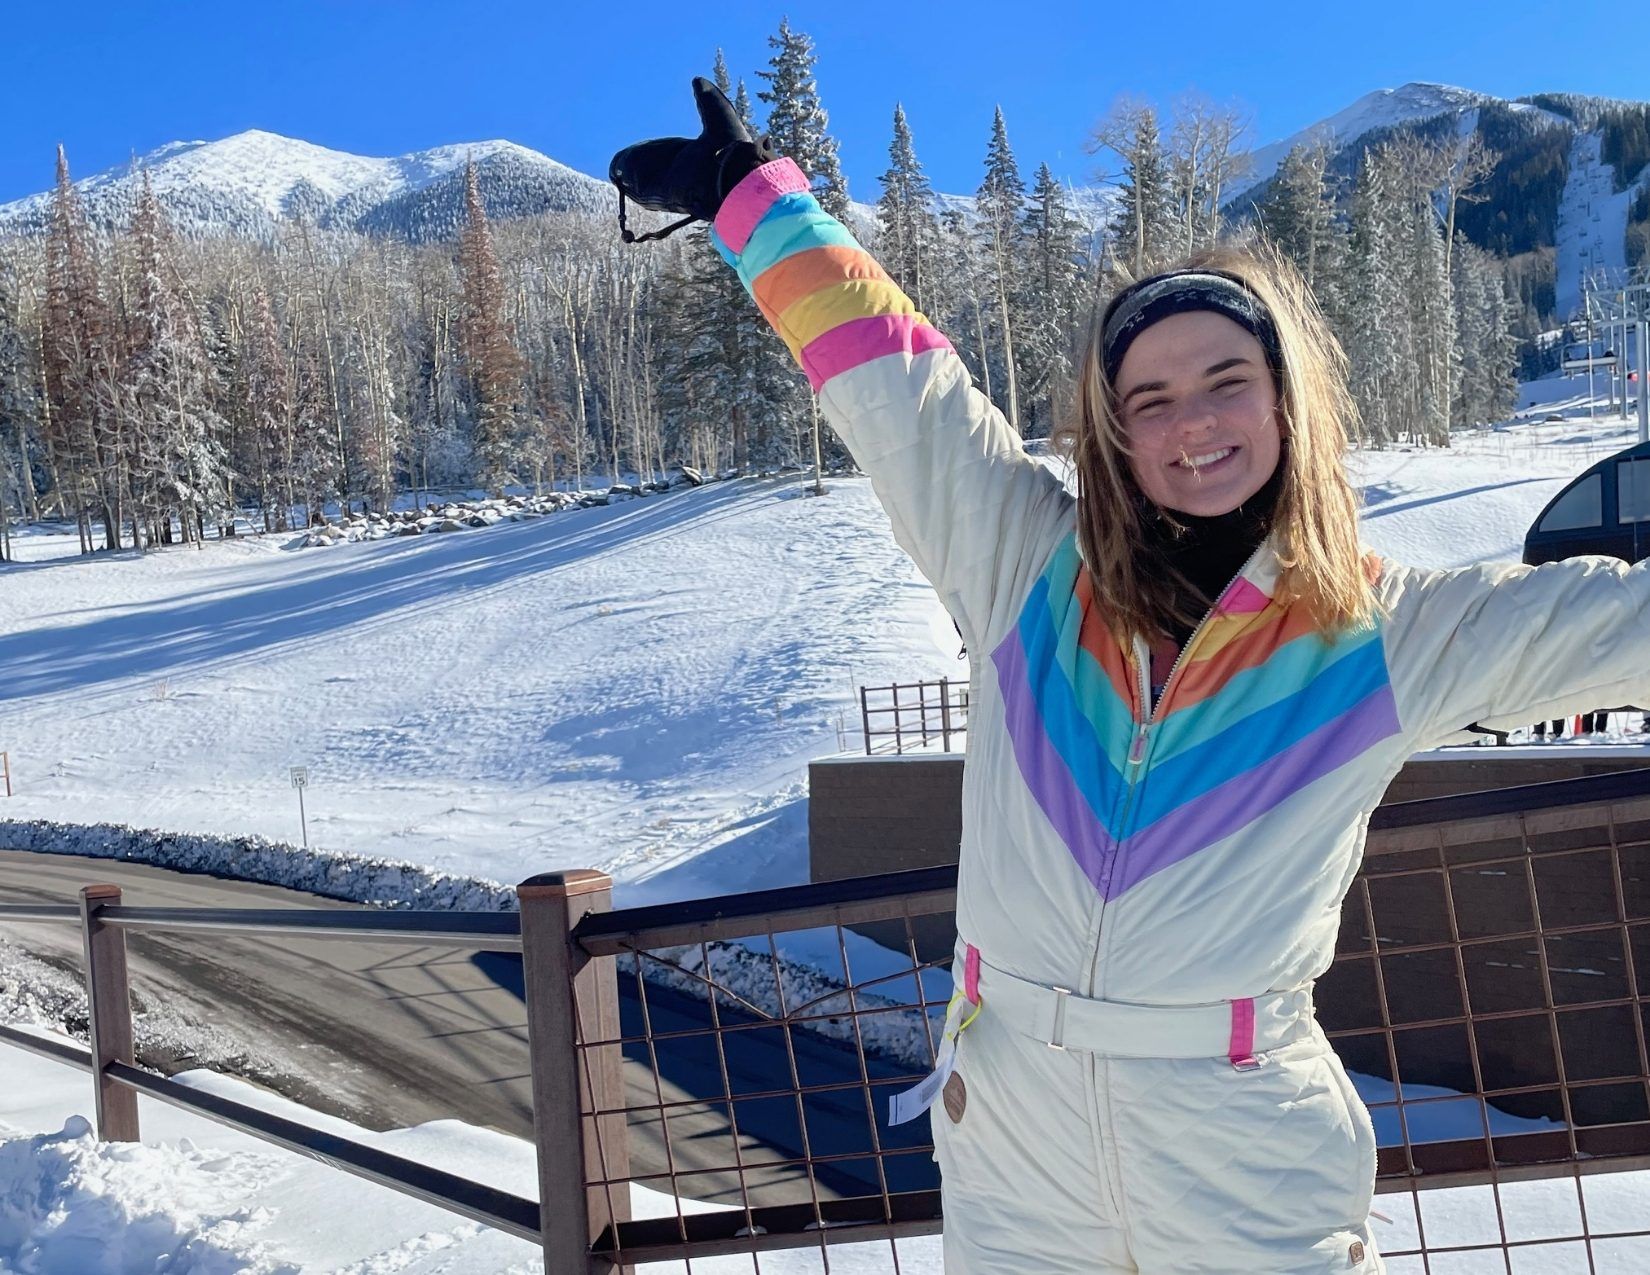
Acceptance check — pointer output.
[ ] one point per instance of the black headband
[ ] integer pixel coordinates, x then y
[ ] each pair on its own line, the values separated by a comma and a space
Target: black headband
1142, 304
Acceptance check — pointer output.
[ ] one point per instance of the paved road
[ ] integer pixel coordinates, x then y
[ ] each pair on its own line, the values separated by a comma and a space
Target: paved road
390, 1035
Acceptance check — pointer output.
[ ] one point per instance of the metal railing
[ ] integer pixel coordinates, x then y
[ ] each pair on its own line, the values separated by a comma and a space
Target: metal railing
911, 715
735, 1055
117, 1080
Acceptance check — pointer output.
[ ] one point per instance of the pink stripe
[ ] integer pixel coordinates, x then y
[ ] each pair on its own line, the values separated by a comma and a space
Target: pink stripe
1242, 1048
971, 974
860, 340
1243, 599
749, 201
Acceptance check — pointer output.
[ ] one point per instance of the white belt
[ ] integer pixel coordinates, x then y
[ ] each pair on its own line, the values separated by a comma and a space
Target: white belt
1237, 1030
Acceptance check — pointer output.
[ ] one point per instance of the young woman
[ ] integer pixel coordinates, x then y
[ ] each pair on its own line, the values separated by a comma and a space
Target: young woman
1191, 687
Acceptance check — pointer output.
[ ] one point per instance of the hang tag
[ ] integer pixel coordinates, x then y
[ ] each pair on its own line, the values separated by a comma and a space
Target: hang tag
911, 1103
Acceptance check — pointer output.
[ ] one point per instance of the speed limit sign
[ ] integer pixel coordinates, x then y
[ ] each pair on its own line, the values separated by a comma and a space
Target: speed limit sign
300, 776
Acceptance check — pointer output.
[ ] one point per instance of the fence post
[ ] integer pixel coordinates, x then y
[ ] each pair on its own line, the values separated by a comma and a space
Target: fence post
945, 713
109, 1012
571, 999
899, 744
865, 715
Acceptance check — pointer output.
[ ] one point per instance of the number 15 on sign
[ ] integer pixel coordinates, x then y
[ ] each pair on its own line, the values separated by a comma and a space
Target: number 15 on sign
300, 781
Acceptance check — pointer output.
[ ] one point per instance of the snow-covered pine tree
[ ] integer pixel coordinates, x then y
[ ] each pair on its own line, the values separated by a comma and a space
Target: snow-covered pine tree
376, 420
797, 120
906, 218
79, 357
1000, 202
267, 455
1432, 317
314, 462
1487, 386
1377, 332
491, 361
1298, 214
176, 460
1053, 301
963, 288
1144, 229
19, 406
11, 417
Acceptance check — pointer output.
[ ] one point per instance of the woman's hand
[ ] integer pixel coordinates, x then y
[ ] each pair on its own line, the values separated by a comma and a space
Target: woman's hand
691, 175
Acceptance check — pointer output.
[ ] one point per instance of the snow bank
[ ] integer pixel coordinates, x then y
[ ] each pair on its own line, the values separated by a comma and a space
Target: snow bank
333, 875
199, 1199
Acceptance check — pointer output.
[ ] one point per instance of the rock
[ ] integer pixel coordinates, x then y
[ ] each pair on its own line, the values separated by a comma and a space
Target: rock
448, 524
686, 474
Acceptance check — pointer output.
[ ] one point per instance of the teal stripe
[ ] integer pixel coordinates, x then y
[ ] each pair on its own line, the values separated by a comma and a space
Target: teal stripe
786, 230
1111, 718
1283, 673
1254, 743
1069, 729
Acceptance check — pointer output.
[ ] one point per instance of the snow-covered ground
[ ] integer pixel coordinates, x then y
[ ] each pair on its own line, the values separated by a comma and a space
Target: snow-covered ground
200, 1199
621, 688
637, 688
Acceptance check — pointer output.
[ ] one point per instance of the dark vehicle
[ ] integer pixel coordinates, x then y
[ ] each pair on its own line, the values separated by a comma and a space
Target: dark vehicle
1605, 511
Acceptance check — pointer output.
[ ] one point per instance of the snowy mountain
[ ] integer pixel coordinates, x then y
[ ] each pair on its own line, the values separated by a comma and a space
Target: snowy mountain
1570, 183
250, 183
1382, 109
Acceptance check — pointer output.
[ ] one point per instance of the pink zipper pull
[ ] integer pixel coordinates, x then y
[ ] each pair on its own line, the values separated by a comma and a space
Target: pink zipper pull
1137, 750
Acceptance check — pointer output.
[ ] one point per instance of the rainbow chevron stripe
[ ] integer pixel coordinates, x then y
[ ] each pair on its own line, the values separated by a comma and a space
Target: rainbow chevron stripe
1264, 706
828, 299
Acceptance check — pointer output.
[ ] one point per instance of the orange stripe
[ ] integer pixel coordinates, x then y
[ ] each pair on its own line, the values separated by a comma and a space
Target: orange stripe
1096, 639
1200, 679
802, 274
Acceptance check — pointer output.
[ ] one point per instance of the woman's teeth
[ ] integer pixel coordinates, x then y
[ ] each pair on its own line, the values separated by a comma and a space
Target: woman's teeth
1208, 458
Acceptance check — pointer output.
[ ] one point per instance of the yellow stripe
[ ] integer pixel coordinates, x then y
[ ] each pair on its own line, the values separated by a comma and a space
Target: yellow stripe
819, 312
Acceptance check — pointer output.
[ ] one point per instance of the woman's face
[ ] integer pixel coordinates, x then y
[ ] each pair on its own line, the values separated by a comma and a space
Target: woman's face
1200, 411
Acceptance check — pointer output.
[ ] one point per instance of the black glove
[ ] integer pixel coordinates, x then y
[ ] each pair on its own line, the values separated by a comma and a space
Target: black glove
689, 175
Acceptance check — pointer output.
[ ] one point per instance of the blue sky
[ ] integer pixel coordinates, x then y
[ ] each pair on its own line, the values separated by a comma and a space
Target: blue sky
578, 79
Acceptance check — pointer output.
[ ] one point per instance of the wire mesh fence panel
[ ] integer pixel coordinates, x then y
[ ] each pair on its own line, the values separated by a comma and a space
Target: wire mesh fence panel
759, 1068
1486, 996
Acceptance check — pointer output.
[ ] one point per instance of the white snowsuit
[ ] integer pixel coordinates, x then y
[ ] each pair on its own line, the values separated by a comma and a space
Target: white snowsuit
1154, 892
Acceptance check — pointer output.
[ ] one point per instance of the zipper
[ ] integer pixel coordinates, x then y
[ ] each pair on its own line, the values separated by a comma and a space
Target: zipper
1140, 748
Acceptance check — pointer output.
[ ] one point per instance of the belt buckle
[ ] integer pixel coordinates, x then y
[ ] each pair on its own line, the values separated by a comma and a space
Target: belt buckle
1057, 1028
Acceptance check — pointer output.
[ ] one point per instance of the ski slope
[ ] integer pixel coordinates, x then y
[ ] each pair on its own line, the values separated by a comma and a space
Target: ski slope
637, 688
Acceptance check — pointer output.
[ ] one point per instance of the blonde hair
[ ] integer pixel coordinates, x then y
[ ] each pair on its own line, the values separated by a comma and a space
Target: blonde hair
1315, 521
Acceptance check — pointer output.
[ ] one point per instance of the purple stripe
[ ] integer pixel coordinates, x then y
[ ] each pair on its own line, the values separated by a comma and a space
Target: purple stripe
1045, 770
1244, 798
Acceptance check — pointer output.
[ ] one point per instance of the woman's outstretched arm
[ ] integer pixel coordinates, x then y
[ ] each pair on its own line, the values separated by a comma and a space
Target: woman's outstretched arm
977, 514
1506, 646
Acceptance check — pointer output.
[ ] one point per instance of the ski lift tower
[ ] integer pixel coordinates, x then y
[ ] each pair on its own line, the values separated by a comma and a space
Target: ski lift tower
1636, 309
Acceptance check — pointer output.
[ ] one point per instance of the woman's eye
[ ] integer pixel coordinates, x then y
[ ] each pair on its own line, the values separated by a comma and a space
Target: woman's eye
1226, 387
1151, 407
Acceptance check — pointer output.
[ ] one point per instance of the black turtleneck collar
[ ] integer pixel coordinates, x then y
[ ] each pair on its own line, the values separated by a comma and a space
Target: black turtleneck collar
1211, 551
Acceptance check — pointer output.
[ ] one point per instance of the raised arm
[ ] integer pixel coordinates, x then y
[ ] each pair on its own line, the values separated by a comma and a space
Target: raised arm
977, 514
1505, 646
